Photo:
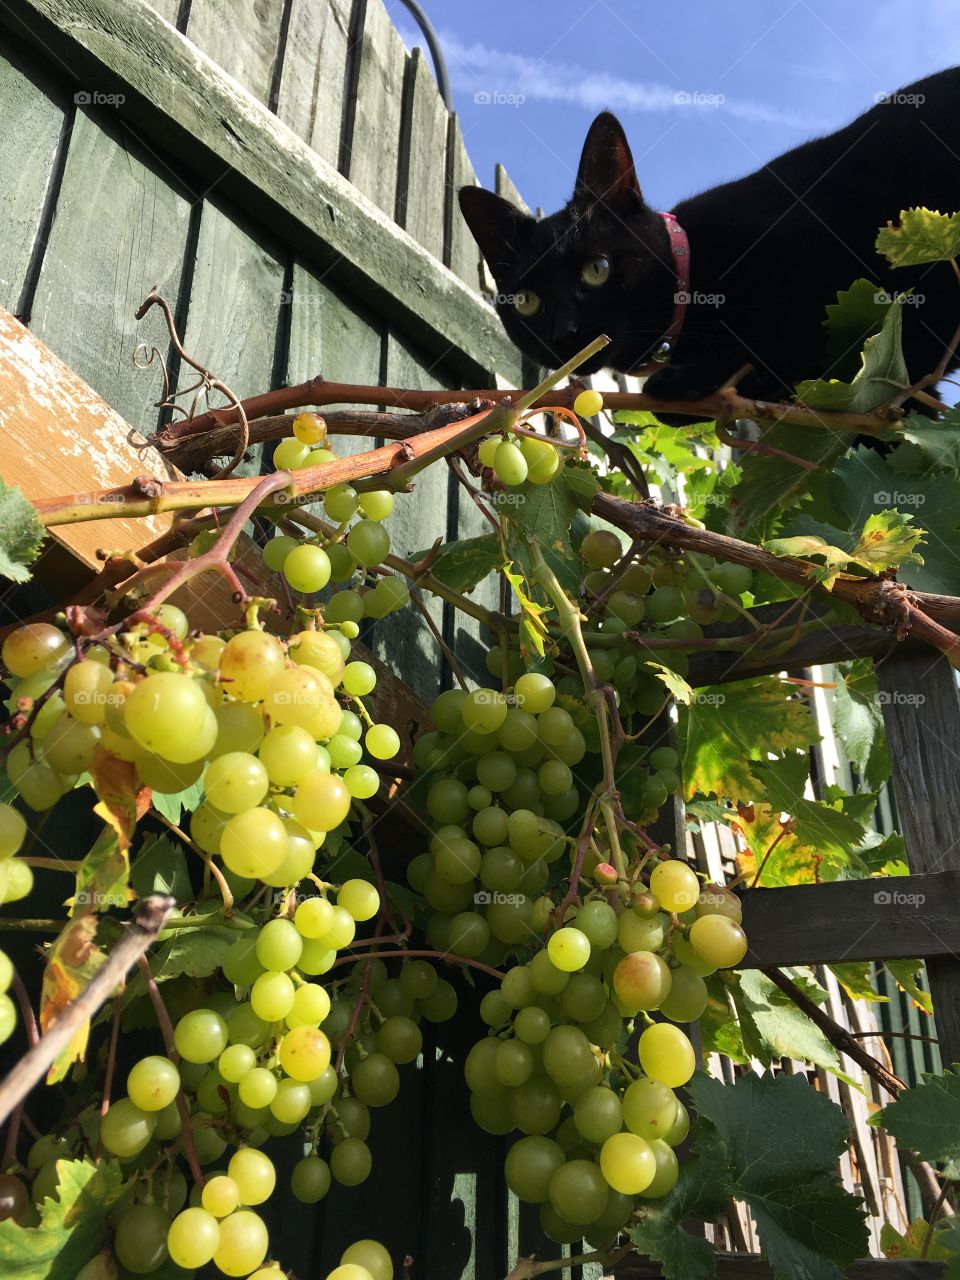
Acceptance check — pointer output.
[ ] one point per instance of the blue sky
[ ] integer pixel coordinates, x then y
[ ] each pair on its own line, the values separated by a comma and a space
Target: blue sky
765, 75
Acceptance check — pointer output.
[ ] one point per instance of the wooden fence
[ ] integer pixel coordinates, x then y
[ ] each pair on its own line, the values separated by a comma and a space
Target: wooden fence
285, 172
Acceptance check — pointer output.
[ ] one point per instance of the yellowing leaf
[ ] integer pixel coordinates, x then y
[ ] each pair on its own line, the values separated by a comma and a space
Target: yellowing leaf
72, 1227
922, 236
674, 682
72, 960
887, 541
122, 801
789, 862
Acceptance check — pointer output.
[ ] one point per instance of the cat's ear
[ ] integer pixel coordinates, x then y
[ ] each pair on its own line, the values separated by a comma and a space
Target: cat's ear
606, 173
493, 222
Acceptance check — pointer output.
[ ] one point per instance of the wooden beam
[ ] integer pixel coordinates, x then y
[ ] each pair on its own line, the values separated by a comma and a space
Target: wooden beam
193, 109
739, 1266
895, 918
921, 711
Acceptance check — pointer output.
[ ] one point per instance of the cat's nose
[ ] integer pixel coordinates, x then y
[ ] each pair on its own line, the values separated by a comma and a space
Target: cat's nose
565, 324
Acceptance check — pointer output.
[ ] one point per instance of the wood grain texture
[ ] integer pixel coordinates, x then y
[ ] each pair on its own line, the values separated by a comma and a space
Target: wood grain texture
118, 203
183, 101
241, 36
421, 178
894, 918
373, 147
504, 186
235, 299
461, 253
921, 712
32, 107
56, 433
310, 98
168, 9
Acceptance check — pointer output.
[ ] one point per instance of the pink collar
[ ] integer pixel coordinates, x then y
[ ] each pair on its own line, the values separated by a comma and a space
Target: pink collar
680, 248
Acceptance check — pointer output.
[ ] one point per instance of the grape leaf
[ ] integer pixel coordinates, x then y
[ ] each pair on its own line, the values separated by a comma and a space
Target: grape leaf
72, 960
882, 370
103, 877
173, 804
922, 236
782, 1139
926, 1119
773, 1027
545, 512
719, 1029
928, 444
832, 832
122, 800
856, 315
914, 1243
700, 1192
728, 727
21, 534
465, 563
886, 542
161, 867
785, 859
905, 973
770, 483
858, 721
856, 978
72, 1228
675, 683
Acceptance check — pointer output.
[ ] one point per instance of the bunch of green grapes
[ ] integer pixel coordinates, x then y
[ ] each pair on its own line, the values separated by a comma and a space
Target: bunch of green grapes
599, 1131
516, 460
360, 543
16, 880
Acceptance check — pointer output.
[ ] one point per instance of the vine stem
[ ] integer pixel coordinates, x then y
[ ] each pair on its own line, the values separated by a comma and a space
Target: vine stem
166, 1030
529, 1268
211, 866
33, 1036
110, 1067
935, 1215
34, 1064
405, 954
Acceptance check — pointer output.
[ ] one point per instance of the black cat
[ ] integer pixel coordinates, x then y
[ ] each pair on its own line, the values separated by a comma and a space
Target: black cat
767, 253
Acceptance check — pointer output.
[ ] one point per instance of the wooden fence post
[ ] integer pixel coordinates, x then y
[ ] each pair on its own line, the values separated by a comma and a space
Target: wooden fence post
921, 711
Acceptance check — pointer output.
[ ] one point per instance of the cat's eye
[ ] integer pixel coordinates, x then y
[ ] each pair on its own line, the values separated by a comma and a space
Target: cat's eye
527, 302
595, 271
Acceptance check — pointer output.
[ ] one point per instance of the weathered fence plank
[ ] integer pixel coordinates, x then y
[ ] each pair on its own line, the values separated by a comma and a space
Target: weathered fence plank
734, 1266
32, 108
921, 712
120, 228
422, 178
310, 98
370, 151
241, 36
504, 186
892, 919
460, 249
168, 9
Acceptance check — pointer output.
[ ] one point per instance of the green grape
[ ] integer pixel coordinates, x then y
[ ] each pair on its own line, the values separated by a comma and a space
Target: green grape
487, 450
597, 920
554, 777
153, 1083
16, 879
445, 710
35, 647
568, 949
685, 953
167, 714
209, 1144
235, 782
6, 972
441, 1004
544, 977
194, 1236
484, 710
254, 1175
513, 1062
288, 754
48, 1149
641, 980
627, 1163
542, 458
240, 964
375, 1080
513, 921
243, 1243
509, 464
289, 455
687, 997
715, 900
529, 1167
255, 843
341, 502
314, 917
418, 979
556, 1228
535, 1106
362, 781
321, 802
400, 1039
554, 725
359, 679
496, 771
352, 1116
679, 1129
531, 1025
271, 996
500, 869
200, 1036
126, 1130
628, 608
14, 1198
368, 542
305, 1053
257, 1088
668, 1171
316, 957
598, 1114
344, 606
578, 1191
309, 428
359, 899
307, 568
87, 691
141, 1239
310, 1180
567, 1057
601, 548
665, 604
342, 929
13, 831
311, 1005
244, 1027
279, 945
718, 941
370, 1256
491, 1113
584, 997
220, 1197
675, 886
236, 1061
248, 664
635, 933
292, 1101
587, 405
351, 1162
666, 1054
447, 801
